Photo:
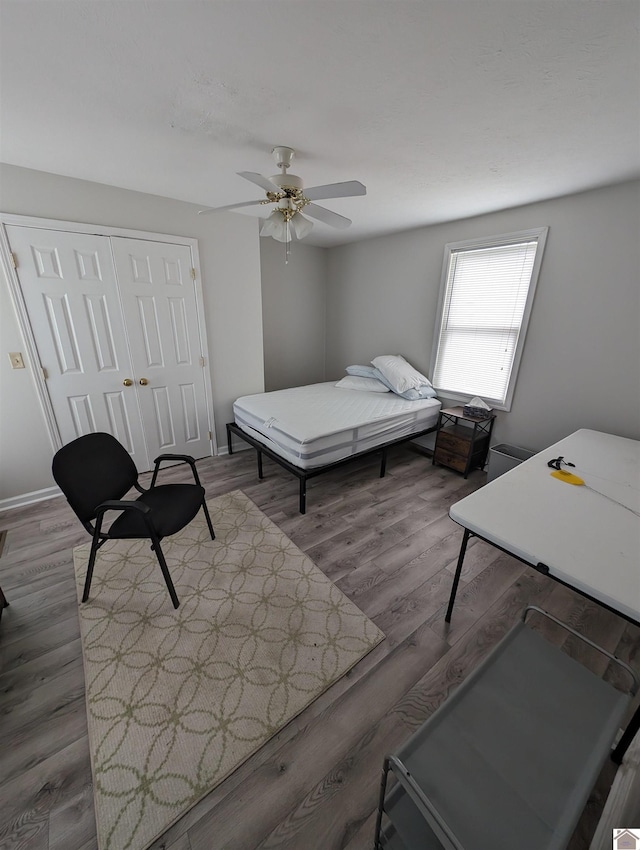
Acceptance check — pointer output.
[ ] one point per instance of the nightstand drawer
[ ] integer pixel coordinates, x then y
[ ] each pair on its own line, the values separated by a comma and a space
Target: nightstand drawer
450, 459
456, 443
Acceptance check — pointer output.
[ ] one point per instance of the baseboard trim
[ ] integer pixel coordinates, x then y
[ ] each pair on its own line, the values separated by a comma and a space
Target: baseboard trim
241, 447
29, 498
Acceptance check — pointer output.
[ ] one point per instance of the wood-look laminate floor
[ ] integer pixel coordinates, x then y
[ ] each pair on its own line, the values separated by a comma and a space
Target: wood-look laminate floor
391, 547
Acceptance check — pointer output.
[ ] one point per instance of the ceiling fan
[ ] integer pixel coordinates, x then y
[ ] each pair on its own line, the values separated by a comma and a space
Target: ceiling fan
287, 191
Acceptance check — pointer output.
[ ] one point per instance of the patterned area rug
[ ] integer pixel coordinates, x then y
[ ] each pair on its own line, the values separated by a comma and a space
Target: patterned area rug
177, 699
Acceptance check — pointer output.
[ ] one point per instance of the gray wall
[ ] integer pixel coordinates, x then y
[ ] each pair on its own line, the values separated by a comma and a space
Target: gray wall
581, 362
293, 314
230, 264
328, 308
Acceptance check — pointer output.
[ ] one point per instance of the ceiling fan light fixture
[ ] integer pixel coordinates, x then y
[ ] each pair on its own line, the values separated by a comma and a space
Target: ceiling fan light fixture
283, 220
275, 226
301, 226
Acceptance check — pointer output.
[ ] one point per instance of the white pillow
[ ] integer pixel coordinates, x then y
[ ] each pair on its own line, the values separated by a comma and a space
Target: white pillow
400, 374
352, 382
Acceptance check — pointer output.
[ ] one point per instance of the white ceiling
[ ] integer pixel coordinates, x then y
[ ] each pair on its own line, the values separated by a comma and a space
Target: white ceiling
442, 108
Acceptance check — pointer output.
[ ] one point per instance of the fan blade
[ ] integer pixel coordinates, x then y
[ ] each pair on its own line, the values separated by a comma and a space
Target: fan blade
259, 180
228, 207
348, 189
326, 216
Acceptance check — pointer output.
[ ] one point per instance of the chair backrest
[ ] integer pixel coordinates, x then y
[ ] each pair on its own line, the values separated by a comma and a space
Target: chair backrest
91, 470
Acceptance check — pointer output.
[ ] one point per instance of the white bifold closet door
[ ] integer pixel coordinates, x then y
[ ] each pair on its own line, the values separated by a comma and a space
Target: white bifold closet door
116, 326
158, 300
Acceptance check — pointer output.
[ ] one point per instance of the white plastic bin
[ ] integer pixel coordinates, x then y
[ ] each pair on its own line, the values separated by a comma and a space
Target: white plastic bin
504, 457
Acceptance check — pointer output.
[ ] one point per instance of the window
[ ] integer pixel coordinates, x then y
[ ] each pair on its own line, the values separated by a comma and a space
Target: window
485, 300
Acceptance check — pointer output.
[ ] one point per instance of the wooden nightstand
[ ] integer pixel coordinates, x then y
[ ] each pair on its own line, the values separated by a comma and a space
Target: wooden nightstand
461, 447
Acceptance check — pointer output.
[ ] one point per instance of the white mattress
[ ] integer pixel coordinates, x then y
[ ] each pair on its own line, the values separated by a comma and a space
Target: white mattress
321, 423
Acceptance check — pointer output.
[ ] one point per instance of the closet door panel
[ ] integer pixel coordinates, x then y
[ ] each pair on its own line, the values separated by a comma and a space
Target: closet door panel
160, 309
70, 292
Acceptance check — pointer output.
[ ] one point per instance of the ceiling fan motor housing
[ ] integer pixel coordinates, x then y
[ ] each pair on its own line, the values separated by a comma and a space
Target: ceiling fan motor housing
287, 181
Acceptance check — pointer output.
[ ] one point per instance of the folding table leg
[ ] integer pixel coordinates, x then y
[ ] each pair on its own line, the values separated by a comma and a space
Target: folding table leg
456, 578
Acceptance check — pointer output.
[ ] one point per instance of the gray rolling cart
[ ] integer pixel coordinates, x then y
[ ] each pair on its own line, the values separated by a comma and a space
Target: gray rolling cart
509, 759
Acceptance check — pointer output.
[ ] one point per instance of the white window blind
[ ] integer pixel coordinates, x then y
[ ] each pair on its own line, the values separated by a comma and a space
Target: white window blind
486, 298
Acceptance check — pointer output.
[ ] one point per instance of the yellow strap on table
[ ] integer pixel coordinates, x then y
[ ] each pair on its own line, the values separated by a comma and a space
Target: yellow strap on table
567, 477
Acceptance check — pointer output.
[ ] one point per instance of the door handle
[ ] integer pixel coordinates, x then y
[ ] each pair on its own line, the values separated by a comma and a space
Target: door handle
143, 382
127, 382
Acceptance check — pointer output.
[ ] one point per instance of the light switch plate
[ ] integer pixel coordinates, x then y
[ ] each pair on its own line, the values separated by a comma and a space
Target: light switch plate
16, 360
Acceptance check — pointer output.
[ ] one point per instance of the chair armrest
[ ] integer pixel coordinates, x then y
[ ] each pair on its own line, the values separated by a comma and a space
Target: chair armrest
185, 458
119, 505
180, 458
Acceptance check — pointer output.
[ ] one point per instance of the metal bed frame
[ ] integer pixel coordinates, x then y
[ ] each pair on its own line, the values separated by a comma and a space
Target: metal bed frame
303, 475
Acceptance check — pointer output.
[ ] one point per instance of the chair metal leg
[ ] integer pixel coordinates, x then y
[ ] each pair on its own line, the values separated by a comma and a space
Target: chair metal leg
95, 545
208, 519
3, 602
165, 572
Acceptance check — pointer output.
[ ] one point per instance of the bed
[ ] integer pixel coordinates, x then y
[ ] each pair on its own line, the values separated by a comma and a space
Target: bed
313, 429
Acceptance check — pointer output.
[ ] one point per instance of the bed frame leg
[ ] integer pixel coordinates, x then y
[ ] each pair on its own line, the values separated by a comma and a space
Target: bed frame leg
456, 578
383, 463
229, 441
260, 474
303, 495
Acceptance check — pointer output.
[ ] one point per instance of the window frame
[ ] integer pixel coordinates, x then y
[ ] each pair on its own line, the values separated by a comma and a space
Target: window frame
505, 239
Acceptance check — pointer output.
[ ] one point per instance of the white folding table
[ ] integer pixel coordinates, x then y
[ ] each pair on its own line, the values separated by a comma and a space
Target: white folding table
584, 536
